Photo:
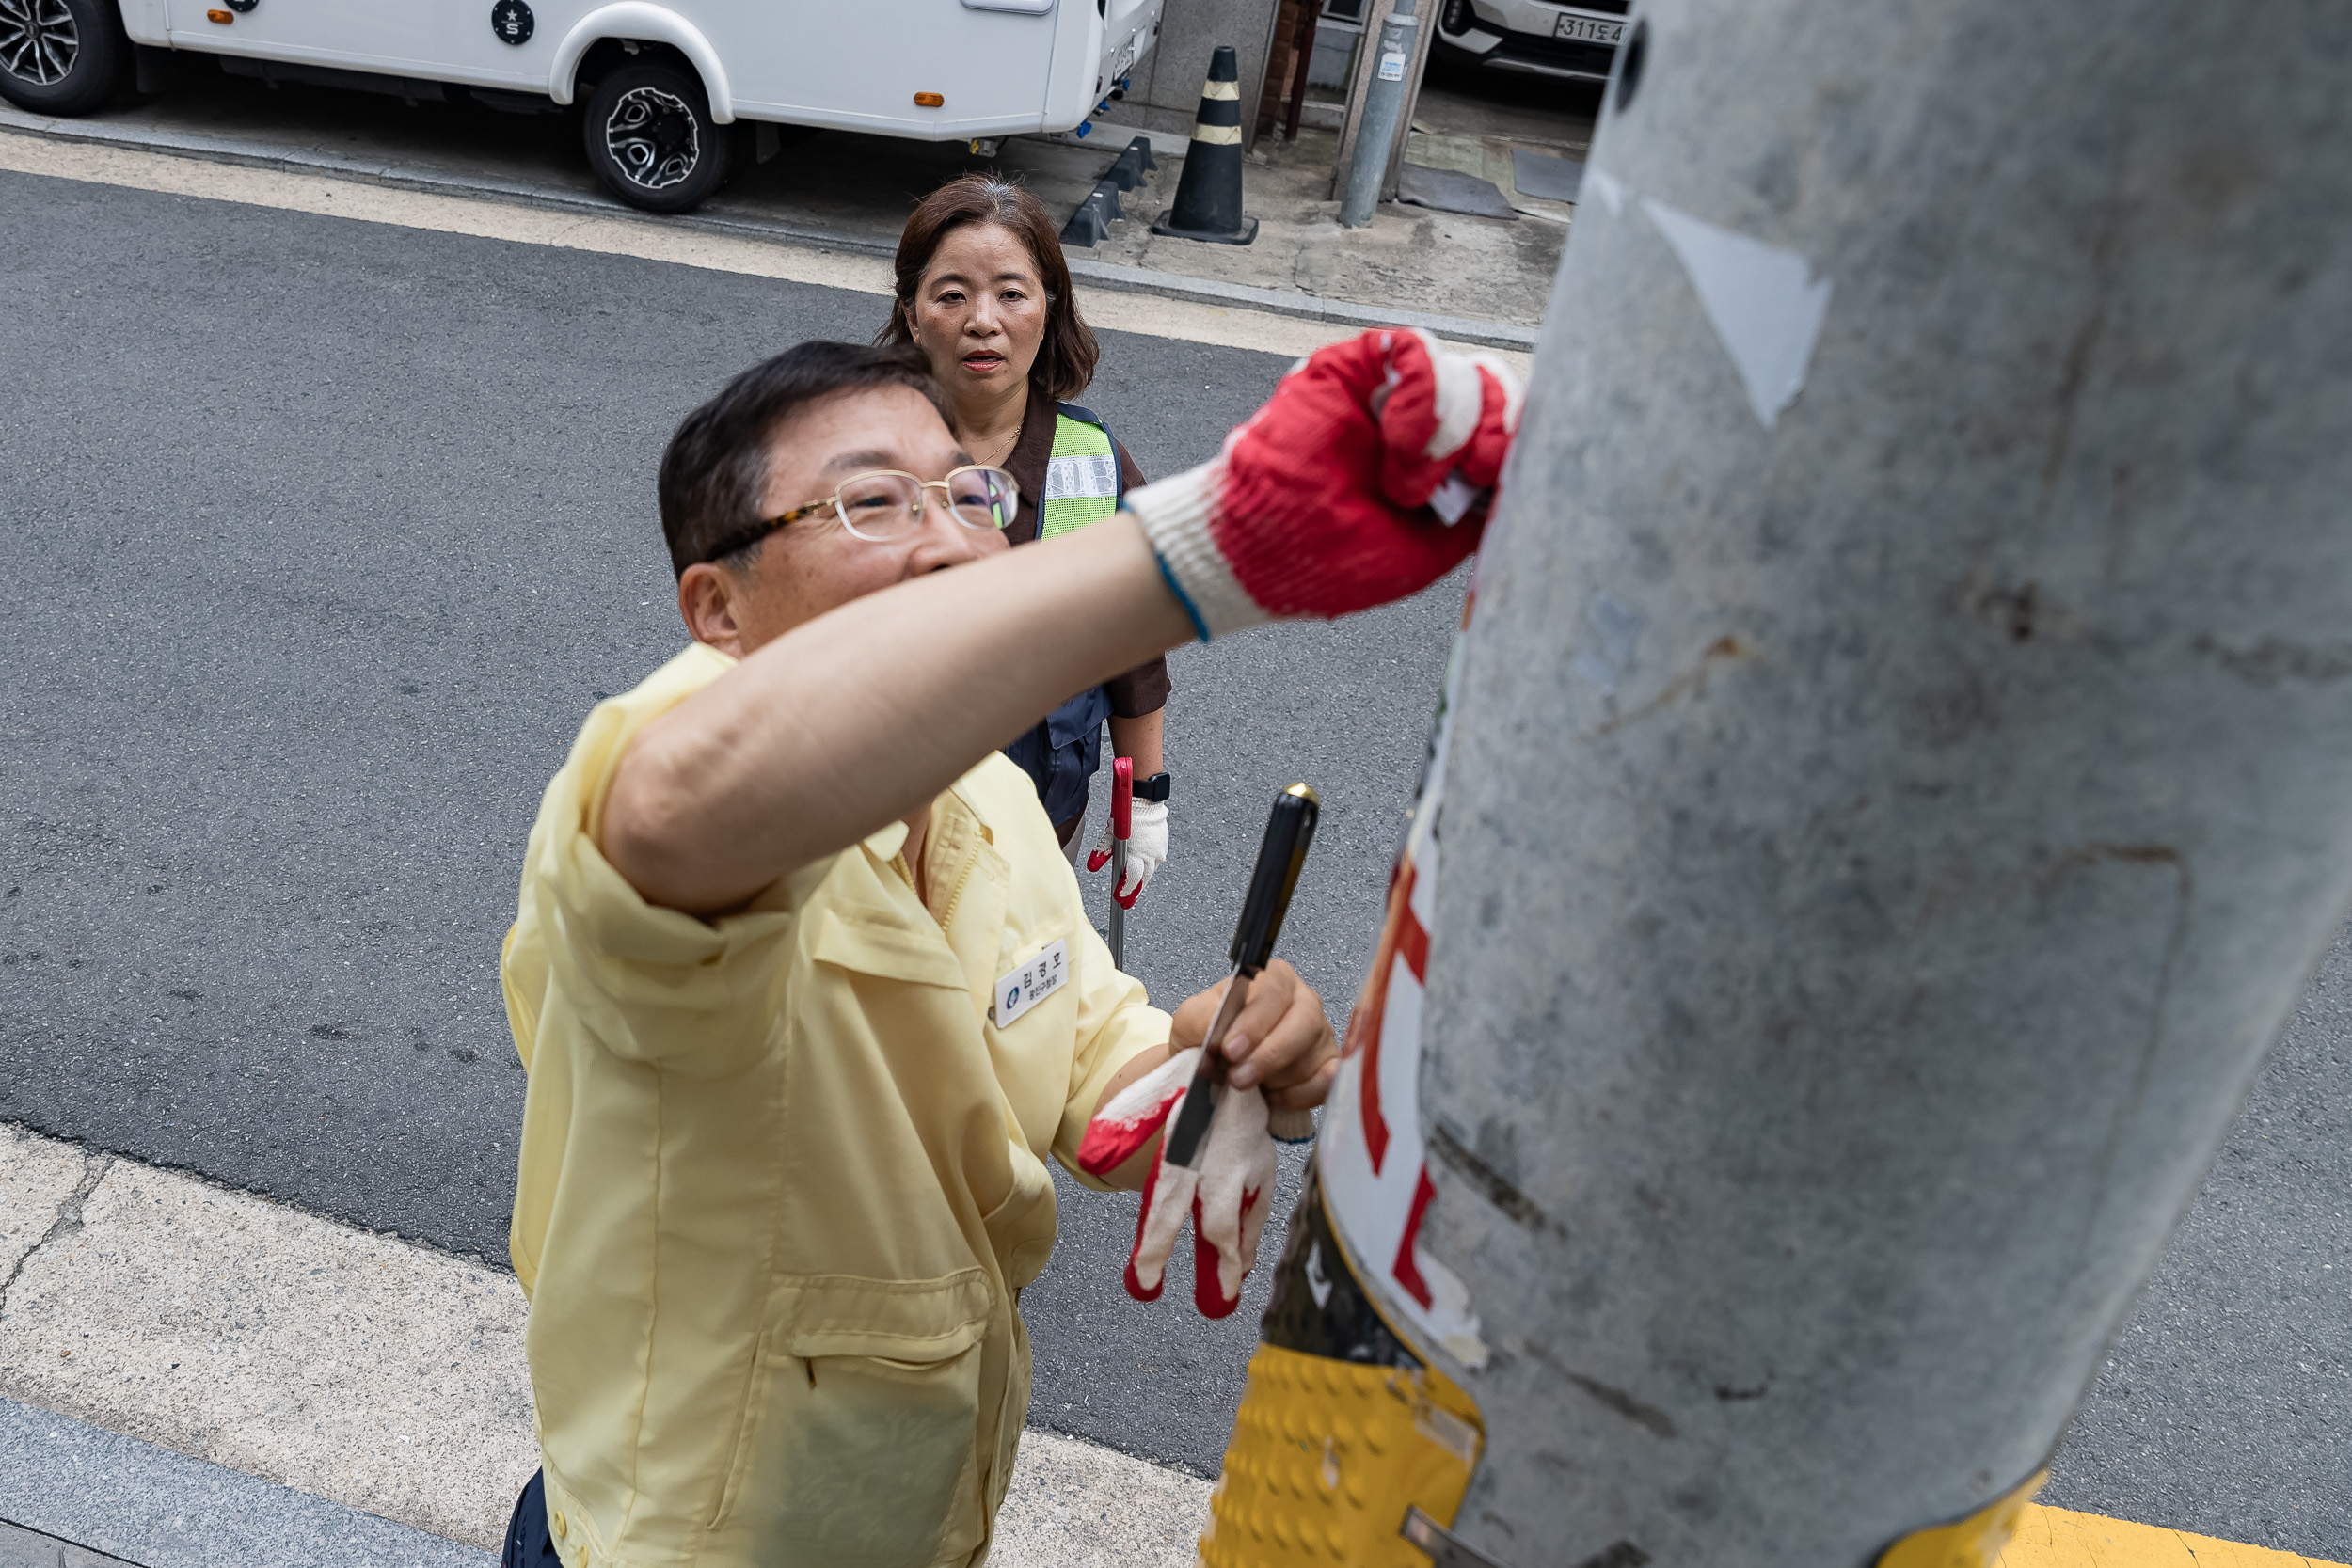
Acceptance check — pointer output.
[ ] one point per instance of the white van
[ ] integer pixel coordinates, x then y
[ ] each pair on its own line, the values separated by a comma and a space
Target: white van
673, 95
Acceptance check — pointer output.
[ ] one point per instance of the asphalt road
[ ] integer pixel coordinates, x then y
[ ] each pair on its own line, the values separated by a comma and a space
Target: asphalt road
324, 537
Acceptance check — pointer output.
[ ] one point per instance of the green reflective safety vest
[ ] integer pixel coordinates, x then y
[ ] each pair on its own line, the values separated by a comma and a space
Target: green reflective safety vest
1081, 476
1063, 751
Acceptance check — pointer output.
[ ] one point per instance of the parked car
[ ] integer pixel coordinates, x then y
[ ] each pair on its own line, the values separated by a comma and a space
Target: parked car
673, 95
1533, 38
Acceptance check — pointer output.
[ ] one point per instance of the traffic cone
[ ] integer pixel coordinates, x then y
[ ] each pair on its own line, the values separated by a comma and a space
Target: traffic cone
1208, 194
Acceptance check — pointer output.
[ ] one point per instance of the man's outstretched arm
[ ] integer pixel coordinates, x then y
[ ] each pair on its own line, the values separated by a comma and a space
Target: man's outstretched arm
864, 714
1362, 480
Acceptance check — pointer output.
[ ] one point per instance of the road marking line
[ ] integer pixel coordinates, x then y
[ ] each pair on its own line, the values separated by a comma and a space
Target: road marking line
448, 215
1110, 310
375, 1374
389, 1378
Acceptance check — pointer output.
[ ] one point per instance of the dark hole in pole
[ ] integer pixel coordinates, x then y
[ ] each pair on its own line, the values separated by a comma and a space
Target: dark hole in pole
1629, 69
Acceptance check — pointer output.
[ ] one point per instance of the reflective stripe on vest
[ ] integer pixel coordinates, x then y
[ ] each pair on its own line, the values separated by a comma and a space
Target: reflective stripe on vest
1081, 479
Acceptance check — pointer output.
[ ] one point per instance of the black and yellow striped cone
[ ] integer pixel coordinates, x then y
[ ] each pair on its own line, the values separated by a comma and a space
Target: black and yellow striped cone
1208, 194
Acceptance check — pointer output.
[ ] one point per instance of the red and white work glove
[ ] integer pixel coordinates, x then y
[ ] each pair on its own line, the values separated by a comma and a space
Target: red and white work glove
1227, 1195
1147, 849
1366, 477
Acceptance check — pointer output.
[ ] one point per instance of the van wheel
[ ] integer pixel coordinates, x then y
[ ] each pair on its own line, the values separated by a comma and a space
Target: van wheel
61, 56
650, 138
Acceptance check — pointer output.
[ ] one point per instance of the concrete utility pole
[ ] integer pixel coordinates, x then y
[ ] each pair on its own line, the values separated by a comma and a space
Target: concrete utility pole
1899, 778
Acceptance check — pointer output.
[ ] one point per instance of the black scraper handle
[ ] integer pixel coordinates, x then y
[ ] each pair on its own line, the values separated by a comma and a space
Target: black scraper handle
1290, 827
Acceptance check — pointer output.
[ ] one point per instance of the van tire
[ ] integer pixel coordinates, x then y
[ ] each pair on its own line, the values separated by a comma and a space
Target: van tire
61, 56
650, 138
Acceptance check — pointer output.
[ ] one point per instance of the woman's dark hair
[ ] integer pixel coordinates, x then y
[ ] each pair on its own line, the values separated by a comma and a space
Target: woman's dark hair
1066, 356
715, 469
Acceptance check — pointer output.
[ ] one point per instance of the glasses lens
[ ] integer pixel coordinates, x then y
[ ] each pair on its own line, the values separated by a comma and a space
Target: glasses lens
983, 498
879, 506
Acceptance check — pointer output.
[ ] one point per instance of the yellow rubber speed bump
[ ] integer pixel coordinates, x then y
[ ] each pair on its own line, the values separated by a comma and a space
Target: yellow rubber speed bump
1343, 1432
1326, 1456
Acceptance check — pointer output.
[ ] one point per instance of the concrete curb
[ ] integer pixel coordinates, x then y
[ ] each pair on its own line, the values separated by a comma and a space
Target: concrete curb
1105, 275
24, 1549
81, 1496
1286, 302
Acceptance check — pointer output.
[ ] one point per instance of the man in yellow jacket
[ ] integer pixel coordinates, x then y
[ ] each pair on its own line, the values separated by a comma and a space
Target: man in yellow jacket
801, 978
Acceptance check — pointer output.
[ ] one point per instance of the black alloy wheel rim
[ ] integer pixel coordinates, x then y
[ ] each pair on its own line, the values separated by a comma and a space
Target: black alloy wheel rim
652, 137
39, 41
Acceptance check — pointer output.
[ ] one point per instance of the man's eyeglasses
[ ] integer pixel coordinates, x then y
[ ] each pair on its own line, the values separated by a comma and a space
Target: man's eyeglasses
886, 505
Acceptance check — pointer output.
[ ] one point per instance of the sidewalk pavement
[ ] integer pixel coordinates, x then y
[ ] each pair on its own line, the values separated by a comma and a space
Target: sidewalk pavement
192, 1377
1489, 269
1478, 280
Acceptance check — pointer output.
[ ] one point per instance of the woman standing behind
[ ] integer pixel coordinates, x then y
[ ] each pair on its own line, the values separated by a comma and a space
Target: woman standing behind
984, 292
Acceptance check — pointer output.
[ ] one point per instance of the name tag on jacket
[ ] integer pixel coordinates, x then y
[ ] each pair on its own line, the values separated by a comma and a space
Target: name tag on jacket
1031, 983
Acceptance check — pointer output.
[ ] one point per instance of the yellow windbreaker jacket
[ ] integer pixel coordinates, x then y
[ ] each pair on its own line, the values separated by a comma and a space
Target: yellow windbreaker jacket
781, 1174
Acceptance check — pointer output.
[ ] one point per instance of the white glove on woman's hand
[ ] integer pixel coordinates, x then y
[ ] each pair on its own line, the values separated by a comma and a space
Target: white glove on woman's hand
1147, 849
1227, 1197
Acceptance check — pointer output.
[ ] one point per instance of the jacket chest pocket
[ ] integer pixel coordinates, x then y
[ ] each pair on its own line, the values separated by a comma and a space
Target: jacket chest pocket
872, 1457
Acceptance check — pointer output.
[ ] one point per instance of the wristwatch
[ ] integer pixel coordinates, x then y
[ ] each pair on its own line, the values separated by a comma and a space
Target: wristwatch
1153, 788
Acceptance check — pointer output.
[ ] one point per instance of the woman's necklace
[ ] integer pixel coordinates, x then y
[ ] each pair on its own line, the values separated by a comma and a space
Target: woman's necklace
1006, 450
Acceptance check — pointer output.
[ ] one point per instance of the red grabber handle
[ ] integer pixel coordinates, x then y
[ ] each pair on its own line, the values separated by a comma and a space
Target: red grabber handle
1122, 796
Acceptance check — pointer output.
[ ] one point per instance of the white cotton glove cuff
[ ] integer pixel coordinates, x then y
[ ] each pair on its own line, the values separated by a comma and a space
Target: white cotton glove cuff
1175, 513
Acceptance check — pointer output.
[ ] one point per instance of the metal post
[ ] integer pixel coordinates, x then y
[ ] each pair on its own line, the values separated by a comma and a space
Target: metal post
1122, 826
1384, 102
1416, 72
1898, 782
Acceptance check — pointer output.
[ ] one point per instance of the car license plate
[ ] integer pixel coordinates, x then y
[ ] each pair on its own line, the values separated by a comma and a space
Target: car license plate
1586, 29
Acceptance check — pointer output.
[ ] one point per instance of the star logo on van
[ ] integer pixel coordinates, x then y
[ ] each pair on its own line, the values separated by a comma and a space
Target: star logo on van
512, 21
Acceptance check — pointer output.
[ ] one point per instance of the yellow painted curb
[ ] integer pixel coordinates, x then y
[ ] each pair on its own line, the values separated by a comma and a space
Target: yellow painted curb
2056, 1538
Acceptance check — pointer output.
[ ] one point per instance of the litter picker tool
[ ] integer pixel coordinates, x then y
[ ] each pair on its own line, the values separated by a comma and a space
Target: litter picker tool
1122, 824
1290, 827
